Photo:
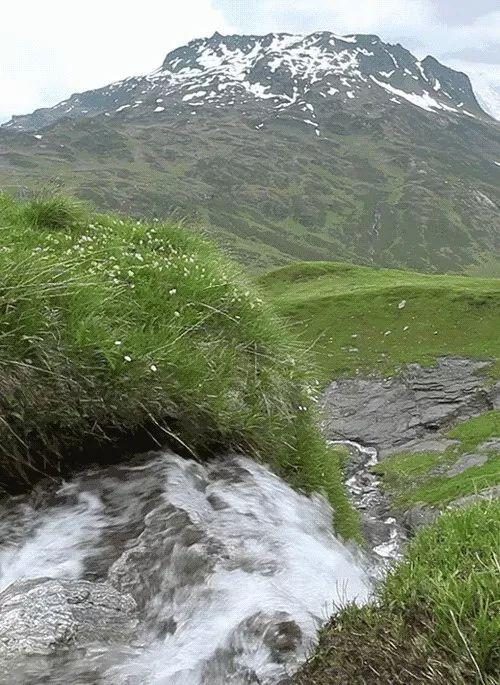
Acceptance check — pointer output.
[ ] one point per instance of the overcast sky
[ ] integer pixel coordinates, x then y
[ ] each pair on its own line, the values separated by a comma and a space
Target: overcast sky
52, 48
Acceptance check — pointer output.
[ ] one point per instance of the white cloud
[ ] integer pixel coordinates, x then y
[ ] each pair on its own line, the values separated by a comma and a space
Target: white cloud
390, 18
485, 81
53, 48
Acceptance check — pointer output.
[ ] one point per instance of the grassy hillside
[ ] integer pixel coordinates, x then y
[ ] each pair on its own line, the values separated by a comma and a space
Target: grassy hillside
126, 335
359, 320
390, 187
436, 619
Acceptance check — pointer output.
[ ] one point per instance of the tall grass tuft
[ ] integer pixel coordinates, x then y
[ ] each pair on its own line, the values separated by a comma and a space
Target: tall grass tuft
436, 618
54, 212
113, 330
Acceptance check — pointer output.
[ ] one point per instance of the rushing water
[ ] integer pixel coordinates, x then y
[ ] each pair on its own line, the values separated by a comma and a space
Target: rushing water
233, 571
382, 531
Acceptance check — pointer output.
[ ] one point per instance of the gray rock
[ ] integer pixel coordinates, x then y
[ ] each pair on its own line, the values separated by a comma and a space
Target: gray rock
495, 395
492, 445
419, 516
42, 616
487, 494
427, 444
466, 462
409, 409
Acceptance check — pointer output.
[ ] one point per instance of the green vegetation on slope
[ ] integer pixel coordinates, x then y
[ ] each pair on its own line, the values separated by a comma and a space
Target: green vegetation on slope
363, 320
436, 619
421, 478
380, 186
111, 329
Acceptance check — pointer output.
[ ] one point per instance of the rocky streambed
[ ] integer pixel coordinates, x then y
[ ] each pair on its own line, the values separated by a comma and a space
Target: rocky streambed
410, 412
166, 571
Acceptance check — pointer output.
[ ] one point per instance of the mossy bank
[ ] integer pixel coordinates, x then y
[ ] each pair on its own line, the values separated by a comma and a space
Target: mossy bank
119, 334
435, 619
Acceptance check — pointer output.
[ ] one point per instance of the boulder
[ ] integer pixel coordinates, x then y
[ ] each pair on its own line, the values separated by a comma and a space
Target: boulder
419, 516
487, 494
466, 462
42, 616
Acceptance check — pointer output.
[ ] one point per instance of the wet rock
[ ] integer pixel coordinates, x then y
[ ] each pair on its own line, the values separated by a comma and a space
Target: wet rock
283, 635
466, 462
408, 410
419, 516
41, 616
165, 565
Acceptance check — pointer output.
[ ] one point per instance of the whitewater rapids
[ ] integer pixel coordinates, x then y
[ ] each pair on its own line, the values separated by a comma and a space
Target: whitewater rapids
233, 571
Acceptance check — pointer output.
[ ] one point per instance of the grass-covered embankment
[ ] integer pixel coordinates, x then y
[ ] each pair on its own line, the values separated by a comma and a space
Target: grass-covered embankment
363, 320
112, 329
412, 478
436, 619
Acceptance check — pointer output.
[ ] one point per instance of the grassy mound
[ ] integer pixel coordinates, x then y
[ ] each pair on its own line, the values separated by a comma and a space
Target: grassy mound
111, 329
362, 320
436, 620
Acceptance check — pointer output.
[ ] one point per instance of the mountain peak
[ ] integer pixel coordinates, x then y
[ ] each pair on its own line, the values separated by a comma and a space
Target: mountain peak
303, 75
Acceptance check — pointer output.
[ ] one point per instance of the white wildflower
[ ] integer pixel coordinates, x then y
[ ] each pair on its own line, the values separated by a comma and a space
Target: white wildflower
127, 358
173, 291
153, 368
118, 342
402, 304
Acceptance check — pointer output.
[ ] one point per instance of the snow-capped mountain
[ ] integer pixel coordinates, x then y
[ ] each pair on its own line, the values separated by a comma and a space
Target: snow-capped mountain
283, 147
280, 73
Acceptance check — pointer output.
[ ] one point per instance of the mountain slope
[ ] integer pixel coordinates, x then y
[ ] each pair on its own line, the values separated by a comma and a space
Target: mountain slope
285, 147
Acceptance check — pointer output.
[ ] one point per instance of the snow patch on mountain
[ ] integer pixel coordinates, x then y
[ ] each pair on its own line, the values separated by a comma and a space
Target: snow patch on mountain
279, 72
424, 100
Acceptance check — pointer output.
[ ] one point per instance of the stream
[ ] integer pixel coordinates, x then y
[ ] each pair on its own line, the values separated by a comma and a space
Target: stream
231, 571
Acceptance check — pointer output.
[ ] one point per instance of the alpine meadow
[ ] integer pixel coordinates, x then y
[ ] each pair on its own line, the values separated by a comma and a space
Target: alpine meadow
250, 358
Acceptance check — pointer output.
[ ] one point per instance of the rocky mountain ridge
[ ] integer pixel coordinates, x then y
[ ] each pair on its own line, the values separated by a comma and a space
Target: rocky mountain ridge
288, 72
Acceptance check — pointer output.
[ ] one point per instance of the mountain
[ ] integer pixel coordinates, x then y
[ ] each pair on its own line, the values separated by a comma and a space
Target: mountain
284, 147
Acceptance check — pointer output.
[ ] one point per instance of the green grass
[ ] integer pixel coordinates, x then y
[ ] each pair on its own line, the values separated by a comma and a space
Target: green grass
110, 329
436, 618
477, 430
350, 316
413, 478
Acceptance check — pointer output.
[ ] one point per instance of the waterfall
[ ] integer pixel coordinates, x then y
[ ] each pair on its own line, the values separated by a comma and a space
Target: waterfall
232, 570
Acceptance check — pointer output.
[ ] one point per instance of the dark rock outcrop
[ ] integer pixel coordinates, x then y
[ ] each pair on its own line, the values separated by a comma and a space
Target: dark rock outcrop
406, 413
